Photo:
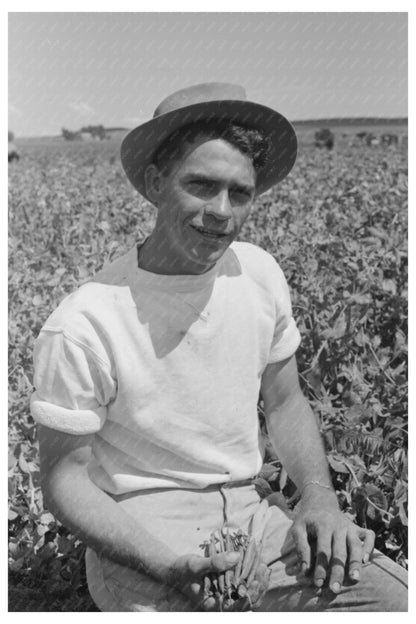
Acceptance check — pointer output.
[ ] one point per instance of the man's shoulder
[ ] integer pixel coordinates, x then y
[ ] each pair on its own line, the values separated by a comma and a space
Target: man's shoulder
94, 299
116, 273
249, 250
255, 260
78, 308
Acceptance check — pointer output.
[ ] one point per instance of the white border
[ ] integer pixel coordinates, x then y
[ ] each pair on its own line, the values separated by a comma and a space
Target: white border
353, 6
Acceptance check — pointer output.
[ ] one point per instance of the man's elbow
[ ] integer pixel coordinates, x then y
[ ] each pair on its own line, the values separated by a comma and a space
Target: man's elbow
58, 479
294, 407
292, 400
63, 459
280, 384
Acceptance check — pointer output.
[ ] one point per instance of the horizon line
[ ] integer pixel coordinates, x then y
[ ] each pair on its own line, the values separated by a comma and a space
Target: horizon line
319, 120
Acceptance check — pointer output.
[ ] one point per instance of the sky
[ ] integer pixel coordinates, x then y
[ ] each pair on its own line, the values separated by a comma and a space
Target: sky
75, 69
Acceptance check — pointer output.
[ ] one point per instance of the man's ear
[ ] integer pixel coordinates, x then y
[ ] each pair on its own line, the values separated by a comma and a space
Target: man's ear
153, 183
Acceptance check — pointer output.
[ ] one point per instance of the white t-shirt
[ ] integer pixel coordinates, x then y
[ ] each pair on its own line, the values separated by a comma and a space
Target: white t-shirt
166, 370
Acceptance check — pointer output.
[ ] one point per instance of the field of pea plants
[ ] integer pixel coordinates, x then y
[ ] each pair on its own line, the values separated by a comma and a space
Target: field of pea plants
338, 227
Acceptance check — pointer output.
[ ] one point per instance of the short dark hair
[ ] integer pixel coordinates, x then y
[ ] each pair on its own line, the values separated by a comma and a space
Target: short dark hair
250, 141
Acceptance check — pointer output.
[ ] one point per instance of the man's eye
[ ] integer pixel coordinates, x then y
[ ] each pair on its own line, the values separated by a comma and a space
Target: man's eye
241, 196
202, 186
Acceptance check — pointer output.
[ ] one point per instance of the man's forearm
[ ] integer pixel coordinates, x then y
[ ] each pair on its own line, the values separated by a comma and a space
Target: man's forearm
295, 435
101, 523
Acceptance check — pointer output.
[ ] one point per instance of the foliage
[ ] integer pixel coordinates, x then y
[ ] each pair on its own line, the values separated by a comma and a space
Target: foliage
337, 226
343, 250
95, 131
70, 135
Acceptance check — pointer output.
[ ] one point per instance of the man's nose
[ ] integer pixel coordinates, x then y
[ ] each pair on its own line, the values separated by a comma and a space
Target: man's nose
220, 207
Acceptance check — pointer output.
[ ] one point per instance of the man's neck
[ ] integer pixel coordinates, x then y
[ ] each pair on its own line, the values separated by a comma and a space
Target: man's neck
150, 258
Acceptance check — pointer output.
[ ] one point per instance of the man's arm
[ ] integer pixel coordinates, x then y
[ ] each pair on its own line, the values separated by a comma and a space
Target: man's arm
101, 523
91, 514
295, 435
292, 426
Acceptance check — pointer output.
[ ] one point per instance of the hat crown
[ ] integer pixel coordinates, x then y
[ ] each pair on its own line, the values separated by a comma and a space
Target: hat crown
210, 101
196, 94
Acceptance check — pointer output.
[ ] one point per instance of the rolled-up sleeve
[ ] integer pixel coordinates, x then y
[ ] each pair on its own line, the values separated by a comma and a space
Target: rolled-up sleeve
286, 338
73, 385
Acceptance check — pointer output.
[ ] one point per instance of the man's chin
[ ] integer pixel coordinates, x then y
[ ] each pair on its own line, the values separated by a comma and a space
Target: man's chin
212, 251
206, 260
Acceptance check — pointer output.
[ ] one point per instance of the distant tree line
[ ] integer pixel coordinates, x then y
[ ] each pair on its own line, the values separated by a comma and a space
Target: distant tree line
96, 132
326, 138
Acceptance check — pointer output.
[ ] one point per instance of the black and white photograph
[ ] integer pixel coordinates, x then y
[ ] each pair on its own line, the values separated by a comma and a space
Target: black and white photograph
208, 311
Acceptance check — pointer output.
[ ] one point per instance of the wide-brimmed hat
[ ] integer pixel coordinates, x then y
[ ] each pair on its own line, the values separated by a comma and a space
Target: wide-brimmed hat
208, 102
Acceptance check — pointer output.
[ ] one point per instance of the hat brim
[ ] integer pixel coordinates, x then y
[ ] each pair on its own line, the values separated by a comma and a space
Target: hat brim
140, 145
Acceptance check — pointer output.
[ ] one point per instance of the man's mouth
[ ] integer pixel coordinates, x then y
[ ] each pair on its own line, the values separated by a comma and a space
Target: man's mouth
215, 235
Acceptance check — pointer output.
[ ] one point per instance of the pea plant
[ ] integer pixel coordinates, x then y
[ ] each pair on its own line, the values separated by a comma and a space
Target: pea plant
337, 226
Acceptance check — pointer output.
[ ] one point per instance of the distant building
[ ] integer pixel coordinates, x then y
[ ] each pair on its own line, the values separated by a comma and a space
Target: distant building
389, 139
324, 138
115, 133
368, 137
114, 130
86, 136
94, 133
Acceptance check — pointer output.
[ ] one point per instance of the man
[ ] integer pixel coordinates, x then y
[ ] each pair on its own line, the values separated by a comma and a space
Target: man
148, 378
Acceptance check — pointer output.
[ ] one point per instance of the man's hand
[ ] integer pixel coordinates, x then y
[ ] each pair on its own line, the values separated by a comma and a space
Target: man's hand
188, 572
339, 547
256, 590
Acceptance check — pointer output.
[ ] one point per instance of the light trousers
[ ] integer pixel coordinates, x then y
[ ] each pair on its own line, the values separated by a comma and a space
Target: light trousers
184, 519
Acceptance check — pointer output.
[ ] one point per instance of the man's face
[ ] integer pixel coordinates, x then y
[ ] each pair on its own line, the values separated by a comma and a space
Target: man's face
203, 203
